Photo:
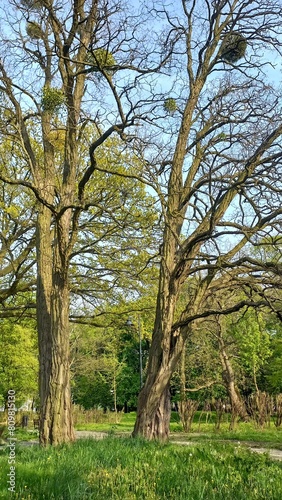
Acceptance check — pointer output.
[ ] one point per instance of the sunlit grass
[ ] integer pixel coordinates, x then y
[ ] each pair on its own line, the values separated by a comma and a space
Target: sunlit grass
123, 468
201, 430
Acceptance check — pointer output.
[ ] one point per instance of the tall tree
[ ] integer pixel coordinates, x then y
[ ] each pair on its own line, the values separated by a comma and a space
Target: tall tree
59, 72
219, 168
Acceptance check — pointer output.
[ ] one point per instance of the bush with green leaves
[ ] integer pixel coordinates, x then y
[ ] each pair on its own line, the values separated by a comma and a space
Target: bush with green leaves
18, 361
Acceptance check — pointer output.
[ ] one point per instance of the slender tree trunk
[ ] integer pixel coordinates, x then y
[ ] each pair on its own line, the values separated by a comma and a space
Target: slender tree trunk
237, 404
182, 376
255, 379
115, 394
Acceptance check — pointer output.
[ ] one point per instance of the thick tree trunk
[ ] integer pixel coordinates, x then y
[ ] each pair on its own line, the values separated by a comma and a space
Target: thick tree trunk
153, 412
53, 332
153, 420
57, 424
154, 409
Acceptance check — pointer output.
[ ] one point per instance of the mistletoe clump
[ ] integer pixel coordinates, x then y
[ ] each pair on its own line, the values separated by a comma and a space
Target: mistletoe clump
233, 47
52, 99
170, 105
34, 30
32, 4
101, 59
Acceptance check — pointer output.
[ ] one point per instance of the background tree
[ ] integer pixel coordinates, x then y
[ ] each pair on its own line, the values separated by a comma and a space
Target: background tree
252, 337
17, 235
18, 361
106, 357
272, 371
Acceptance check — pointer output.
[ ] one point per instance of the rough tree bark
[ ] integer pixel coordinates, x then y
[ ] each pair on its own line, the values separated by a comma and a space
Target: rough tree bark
56, 423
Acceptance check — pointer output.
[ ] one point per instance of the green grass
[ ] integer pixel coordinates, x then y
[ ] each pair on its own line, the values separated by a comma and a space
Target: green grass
127, 469
22, 434
125, 424
199, 431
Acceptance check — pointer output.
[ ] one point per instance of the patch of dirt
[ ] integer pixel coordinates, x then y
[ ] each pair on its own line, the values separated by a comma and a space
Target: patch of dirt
90, 434
273, 453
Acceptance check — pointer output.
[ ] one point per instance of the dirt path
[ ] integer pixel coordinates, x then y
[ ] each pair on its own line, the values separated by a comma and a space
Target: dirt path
274, 453
90, 434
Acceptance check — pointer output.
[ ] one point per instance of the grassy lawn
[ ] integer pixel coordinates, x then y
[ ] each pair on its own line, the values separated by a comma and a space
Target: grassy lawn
215, 466
201, 430
125, 424
127, 469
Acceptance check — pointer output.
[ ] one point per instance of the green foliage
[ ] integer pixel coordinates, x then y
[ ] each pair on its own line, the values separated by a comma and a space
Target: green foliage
106, 366
52, 99
273, 369
92, 390
202, 365
253, 342
34, 30
170, 105
233, 47
123, 239
18, 361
